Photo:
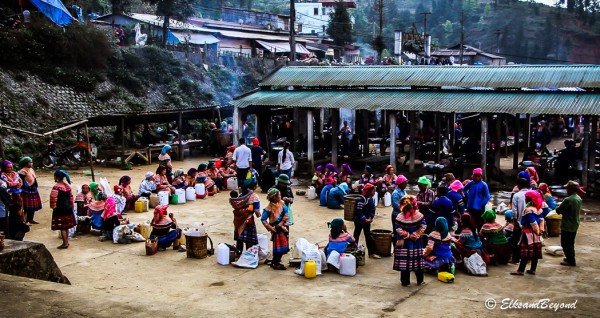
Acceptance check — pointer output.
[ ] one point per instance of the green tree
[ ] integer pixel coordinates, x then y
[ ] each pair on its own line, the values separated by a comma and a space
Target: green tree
340, 25
120, 6
180, 10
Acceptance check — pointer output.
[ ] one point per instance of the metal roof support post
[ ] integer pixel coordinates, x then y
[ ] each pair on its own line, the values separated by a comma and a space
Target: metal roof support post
517, 141
335, 124
438, 131
528, 134
311, 138
321, 120
179, 130
364, 136
392, 122
87, 139
236, 124
453, 134
593, 137
586, 149
412, 119
484, 134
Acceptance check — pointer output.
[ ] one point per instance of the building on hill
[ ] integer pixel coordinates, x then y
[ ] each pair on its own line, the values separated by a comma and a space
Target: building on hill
471, 56
264, 20
312, 16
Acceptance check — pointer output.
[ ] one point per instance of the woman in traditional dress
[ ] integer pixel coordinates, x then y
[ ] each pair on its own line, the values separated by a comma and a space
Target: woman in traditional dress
164, 159
345, 174
179, 179
190, 177
227, 172
96, 209
317, 180
29, 195
339, 238
119, 199
111, 217
366, 177
363, 218
408, 251
164, 227
331, 174
245, 226
62, 204
397, 195
215, 174
83, 200
531, 223
387, 182
209, 184
13, 181
493, 238
274, 218
162, 182
438, 253
469, 242
125, 183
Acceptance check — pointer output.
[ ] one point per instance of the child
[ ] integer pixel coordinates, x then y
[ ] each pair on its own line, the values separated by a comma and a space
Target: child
509, 225
493, 238
16, 227
339, 238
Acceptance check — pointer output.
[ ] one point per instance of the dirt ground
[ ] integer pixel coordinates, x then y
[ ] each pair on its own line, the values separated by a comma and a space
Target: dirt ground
120, 280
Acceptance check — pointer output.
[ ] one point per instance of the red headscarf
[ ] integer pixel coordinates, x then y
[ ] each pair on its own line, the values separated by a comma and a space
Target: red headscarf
159, 212
366, 188
544, 188
536, 198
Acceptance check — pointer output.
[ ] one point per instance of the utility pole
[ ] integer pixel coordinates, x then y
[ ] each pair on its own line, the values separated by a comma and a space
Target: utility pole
462, 35
426, 39
425, 16
380, 17
498, 32
292, 31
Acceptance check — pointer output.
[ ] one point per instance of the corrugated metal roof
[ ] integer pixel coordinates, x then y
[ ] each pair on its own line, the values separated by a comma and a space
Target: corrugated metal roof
432, 101
517, 76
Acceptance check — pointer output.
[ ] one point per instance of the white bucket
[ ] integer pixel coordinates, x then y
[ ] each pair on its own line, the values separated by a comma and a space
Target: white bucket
200, 189
190, 194
163, 198
222, 254
347, 265
376, 198
387, 199
312, 193
180, 196
232, 183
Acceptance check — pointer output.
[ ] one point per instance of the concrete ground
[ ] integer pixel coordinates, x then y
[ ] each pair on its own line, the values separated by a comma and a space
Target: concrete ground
111, 280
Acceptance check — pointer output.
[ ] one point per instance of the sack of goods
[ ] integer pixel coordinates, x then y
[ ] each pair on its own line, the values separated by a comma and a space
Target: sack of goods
248, 259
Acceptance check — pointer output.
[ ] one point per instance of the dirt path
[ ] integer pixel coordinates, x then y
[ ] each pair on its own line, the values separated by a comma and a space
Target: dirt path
111, 280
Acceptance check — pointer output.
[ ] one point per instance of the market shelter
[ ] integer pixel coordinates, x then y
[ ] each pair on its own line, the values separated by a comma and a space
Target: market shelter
514, 90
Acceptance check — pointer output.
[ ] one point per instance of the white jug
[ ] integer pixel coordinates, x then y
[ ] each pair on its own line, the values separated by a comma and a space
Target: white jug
200, 189
190, 194
222, 254
180, 196
163, 197
347, 265
376, 198
312, 193
232, 183
387, 199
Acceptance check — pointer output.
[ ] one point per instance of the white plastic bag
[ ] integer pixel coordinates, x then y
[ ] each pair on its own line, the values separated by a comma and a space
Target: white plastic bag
475, 265
555, 250
263, 246
248, 259
309, 252
334, 259
105, 185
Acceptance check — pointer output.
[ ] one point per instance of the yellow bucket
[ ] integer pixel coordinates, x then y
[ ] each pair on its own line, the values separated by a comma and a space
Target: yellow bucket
139, 206
445, 277
310, 269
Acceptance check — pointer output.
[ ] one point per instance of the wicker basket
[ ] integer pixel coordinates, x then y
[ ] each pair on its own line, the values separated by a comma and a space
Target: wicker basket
350, 201
383, 242
553, 226
196, 246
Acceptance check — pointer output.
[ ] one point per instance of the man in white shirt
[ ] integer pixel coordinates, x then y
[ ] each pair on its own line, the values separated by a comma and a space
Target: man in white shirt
518, 206
242, 156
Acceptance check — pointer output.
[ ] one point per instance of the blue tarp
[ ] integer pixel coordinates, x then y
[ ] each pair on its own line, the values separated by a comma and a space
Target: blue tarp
55, 10
172, 38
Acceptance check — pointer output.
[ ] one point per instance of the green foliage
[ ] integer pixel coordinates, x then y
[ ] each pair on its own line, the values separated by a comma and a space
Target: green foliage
13, 153
180, 10
340, 25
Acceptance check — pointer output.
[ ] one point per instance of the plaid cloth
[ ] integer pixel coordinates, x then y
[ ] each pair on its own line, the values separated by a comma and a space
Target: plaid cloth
31, 200
249, 235
409, 257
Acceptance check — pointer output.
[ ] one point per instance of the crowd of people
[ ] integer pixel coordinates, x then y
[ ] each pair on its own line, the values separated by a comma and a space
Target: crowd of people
433, 230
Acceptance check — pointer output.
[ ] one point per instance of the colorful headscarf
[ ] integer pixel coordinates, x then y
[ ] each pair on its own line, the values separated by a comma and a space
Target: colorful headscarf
331, 167
441, 226
117, 188
272, 193
165, 149
536, 198
94, 189
61, 174
110, 208
159, 212
366, 188
489, 216
321, 169
456, 186
5, 164
124, 179
524, 175
468, 222
424, 181
336, 225
347, 168
410, 202
387, 168
149, 174
344, 187
400, 180
24, 161
178, 173
533, 174
508, 215
478, 171
544, 188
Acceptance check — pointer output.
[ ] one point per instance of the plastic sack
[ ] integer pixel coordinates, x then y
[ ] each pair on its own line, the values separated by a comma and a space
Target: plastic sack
263, 246
197, 230
290, 215
106, 188
501, 208
334, 259
248, 259
475, 265
555, 250
309, 252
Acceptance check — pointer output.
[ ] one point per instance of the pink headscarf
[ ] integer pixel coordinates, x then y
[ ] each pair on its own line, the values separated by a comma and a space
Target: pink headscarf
456, 186
110, 208
536, 198
478, 171
400, 180
533, 174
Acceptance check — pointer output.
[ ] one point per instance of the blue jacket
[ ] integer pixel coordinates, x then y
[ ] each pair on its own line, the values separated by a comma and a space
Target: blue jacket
478, 195
442, 206
335, 198
457, 201
324, 195
397, 195
364, 210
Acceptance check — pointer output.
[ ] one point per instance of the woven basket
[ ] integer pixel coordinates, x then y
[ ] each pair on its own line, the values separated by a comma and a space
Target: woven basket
196, 246
350, 201
383, 242
553, 227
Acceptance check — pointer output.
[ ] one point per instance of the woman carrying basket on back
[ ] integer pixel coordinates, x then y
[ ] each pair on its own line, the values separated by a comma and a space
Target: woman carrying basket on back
363, 217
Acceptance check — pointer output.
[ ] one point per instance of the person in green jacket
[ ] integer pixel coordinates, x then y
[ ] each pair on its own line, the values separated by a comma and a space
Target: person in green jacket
569, 209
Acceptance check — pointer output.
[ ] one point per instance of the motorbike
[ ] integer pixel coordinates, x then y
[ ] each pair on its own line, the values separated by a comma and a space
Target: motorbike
69, 157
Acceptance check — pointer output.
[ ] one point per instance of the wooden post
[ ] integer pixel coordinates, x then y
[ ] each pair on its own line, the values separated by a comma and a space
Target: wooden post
593, 138
517, 141
335, 126
87, 139
296, 128
179, 130
392, 122
585, 146
411, 164
131, 135
236, 124
498, 141
311, 139
364, 114
321, 120
453, 130
438, 132
122, 139
484, 133
527, 135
